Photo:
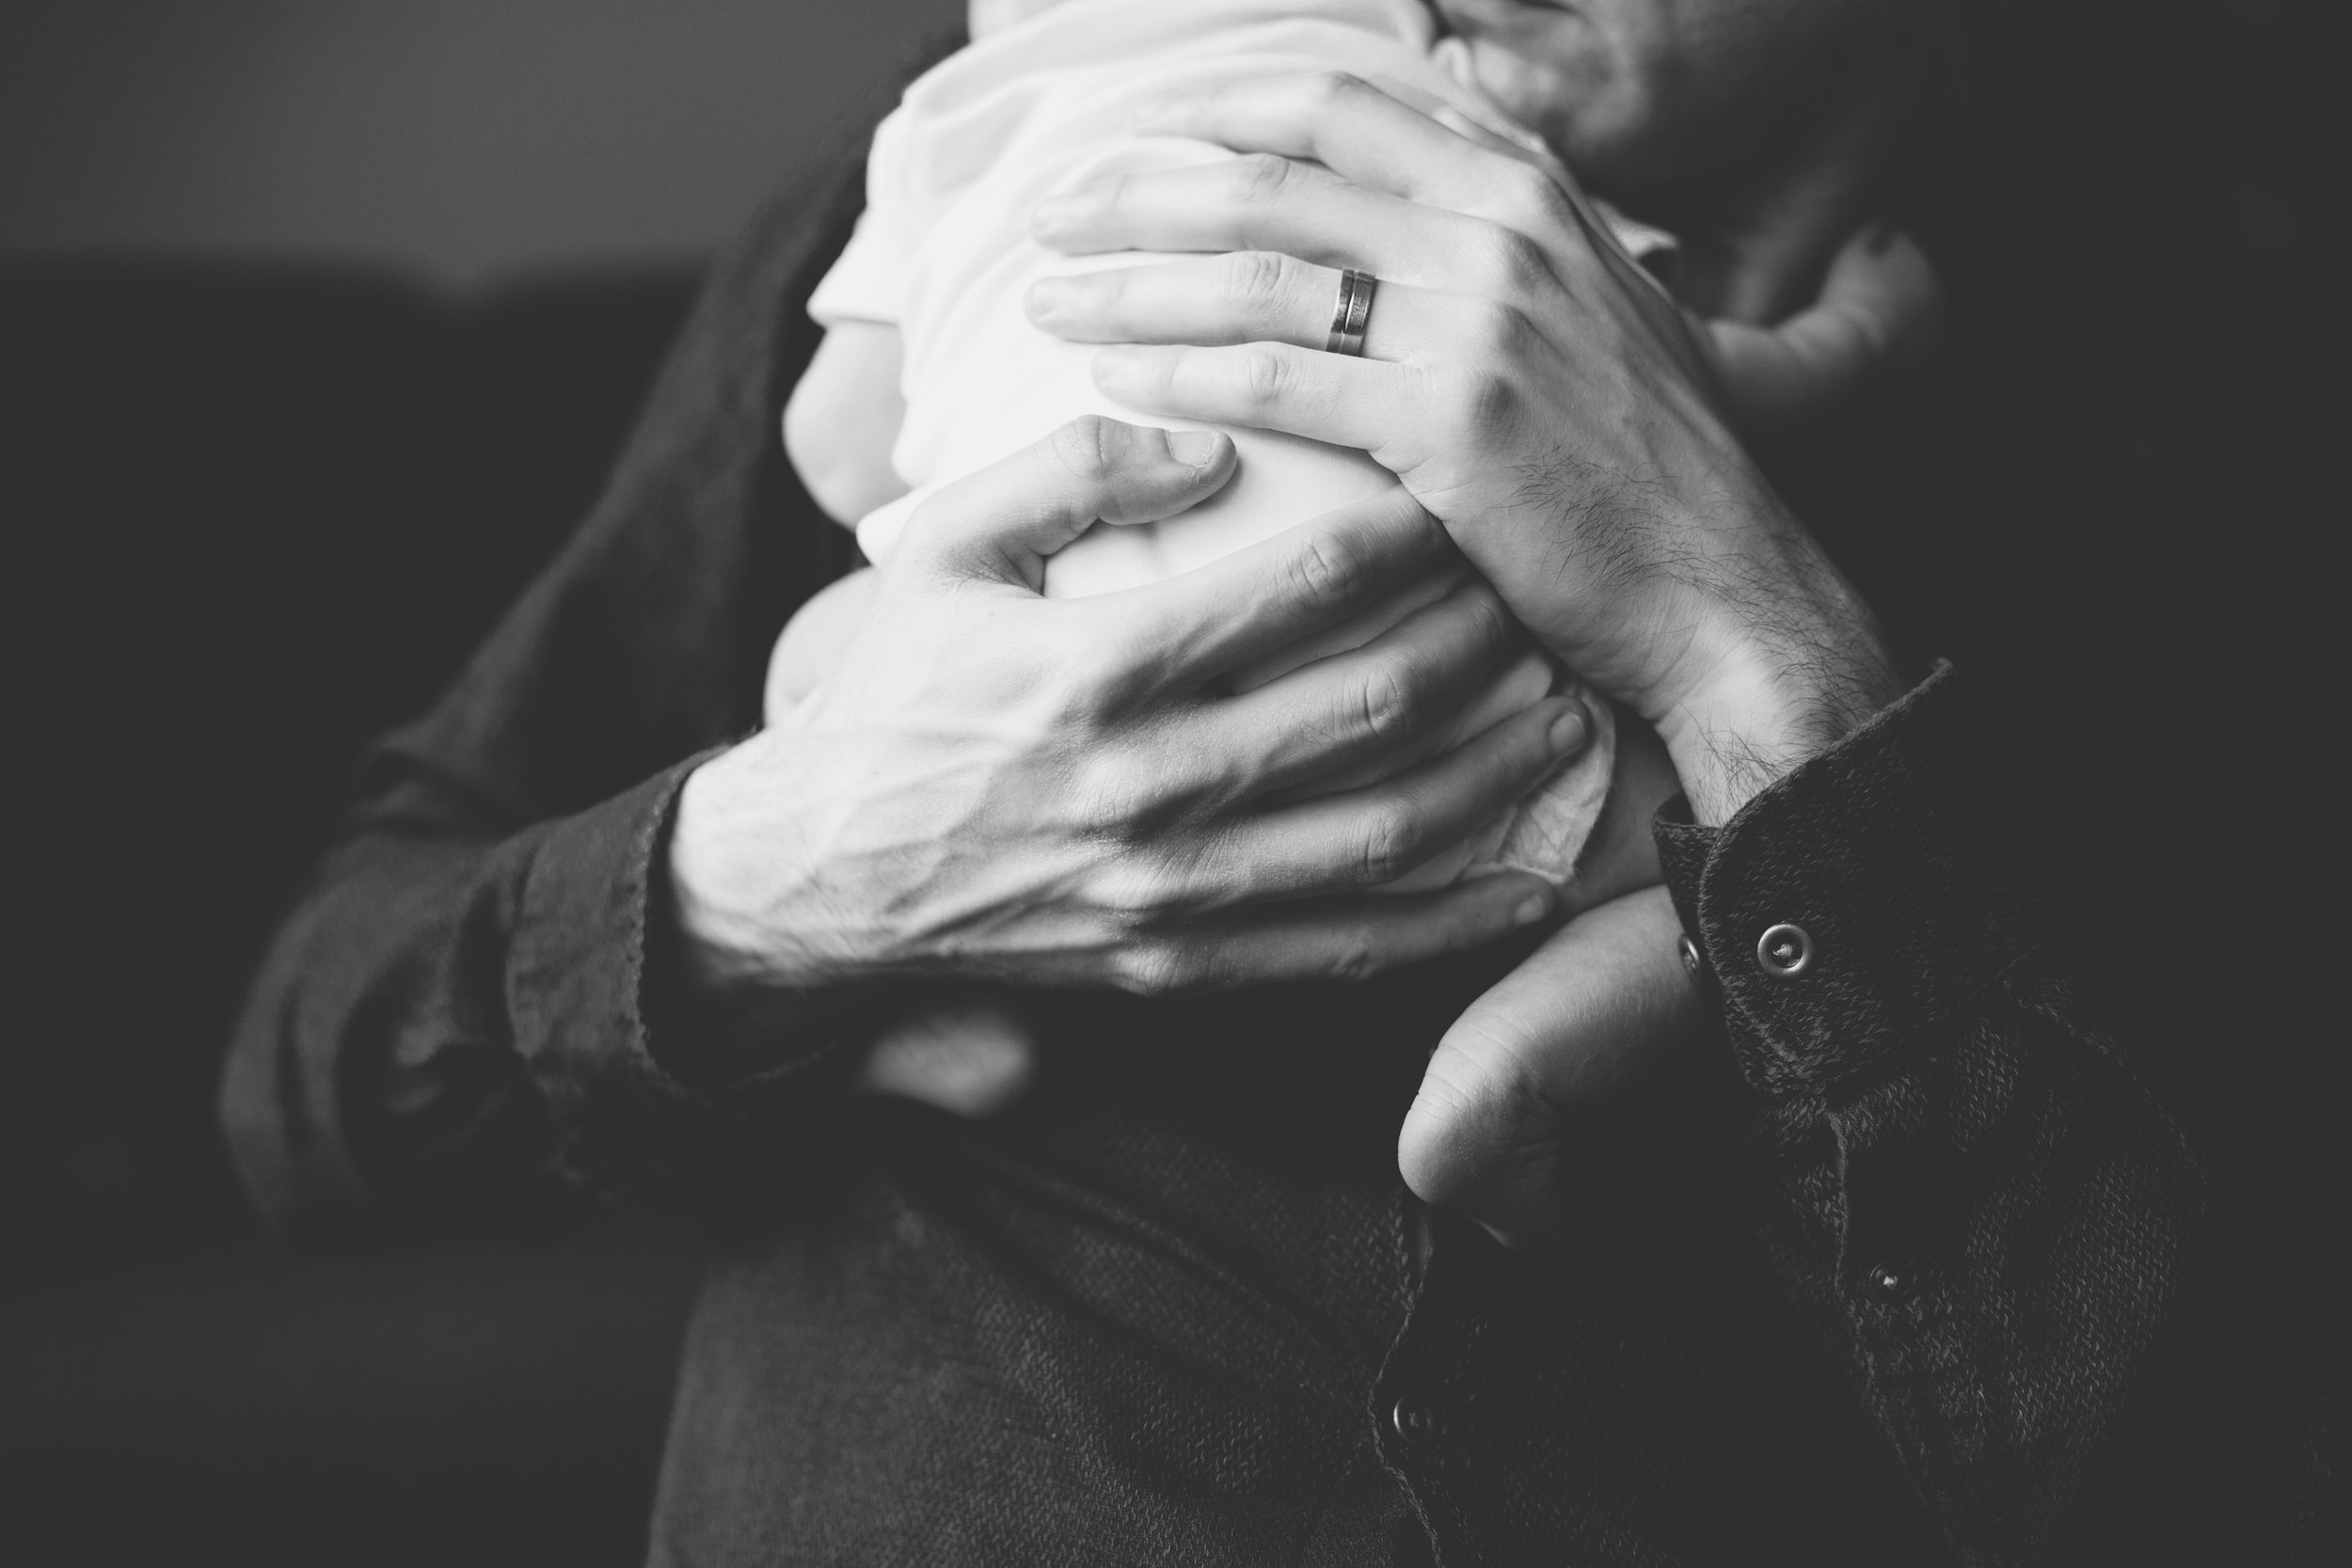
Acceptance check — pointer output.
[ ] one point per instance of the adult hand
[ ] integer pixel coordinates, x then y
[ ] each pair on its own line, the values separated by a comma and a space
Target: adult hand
991, 783
1530, 387
1513, 1089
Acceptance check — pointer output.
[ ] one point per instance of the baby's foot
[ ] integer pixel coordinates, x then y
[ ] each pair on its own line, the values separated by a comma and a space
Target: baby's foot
1598, 1009
1880, 318
970, 1056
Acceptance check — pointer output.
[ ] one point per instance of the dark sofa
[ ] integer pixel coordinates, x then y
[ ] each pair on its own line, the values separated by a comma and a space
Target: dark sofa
255, 513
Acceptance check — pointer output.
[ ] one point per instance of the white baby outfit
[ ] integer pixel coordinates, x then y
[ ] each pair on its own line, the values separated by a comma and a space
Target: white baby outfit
1040, 102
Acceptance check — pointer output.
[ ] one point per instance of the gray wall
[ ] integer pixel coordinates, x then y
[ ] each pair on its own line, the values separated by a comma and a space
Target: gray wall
465, 137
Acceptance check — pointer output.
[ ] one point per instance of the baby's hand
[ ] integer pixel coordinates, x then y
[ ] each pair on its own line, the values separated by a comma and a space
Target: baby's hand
1601, 1007
1881, 316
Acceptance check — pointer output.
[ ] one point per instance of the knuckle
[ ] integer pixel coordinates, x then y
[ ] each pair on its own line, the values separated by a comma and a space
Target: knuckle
1259, 282
1137, 894
1328, 571
1499, 331
1154, 969
1260, 177
1323, 88
1390, 844
1530, 195
1510, 262
1490, 623
1357, 960
1110, 798
1390, 696
1086, 447
1491, 402
1265, 377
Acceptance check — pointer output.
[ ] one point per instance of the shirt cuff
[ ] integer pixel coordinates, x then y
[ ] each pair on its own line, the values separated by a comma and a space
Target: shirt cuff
599, 993
1850, 908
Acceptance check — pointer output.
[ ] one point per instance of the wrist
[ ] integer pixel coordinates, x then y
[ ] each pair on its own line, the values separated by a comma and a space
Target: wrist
1769, 697
727, 898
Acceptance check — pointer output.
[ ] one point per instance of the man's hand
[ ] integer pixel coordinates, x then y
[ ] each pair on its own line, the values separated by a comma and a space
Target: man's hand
990, 784
1521, 375
1599, 1009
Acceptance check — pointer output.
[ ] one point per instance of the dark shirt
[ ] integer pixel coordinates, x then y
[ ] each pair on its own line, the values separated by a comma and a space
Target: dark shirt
1917, 1267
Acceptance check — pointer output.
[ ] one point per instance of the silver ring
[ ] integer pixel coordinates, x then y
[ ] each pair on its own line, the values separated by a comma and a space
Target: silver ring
1351, 313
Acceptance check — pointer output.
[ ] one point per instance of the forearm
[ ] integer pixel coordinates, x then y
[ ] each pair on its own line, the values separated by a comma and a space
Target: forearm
1784, 662
467, 1032
1973, 1192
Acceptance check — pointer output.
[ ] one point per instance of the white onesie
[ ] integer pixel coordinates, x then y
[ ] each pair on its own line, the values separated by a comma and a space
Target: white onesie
1041, 101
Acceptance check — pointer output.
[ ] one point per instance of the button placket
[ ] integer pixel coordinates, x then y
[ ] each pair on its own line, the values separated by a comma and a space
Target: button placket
1414, 1421
1889, 1282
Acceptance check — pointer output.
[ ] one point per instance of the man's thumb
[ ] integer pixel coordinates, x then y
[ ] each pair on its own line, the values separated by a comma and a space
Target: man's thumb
1006, 520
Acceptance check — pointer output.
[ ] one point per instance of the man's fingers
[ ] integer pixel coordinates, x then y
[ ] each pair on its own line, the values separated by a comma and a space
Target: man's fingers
1601, 1006
1260, 204
1338, 939
1364, 837
1213, 619
1324, 397
1393, 698
1364, 136
1004, 521
1249, 296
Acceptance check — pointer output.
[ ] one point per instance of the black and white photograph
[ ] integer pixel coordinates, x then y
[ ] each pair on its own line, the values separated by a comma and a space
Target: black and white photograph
1174, 783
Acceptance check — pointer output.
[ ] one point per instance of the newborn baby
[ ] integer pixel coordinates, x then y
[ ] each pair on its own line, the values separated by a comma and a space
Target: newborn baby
931, 370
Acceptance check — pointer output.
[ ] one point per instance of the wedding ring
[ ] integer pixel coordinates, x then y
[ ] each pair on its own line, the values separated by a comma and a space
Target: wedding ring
1351, 311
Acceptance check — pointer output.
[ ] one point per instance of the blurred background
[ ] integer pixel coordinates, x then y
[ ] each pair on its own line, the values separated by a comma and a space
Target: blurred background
319, 323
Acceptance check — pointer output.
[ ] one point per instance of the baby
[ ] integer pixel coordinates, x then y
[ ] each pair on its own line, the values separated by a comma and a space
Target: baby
931, 370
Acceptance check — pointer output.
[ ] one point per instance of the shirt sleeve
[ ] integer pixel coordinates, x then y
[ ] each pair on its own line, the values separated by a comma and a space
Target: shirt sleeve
1974, 1191
463, 1022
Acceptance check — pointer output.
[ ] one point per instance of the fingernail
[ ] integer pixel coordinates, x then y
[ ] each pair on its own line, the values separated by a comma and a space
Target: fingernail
1046, 296
1532, 909
1052, 213
1567, 731
1195, 449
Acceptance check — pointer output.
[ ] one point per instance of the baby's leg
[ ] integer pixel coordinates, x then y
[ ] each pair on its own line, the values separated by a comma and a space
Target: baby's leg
970, 1056
812, 642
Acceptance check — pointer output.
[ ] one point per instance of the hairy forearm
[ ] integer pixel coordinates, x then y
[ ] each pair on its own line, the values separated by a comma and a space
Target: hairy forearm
1790, 665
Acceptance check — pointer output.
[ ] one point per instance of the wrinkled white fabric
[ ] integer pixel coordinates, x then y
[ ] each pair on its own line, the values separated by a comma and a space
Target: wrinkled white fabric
1040, 102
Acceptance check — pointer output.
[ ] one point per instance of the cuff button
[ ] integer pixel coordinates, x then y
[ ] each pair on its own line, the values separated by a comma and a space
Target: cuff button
1693, 961
1889, 1282
1785, 951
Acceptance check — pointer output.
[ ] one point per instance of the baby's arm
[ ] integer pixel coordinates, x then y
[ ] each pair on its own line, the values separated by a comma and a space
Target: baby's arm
813, 642
843, 419
1879, 316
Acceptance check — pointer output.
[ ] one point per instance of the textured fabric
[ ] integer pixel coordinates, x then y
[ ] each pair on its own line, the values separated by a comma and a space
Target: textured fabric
1177, 1309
